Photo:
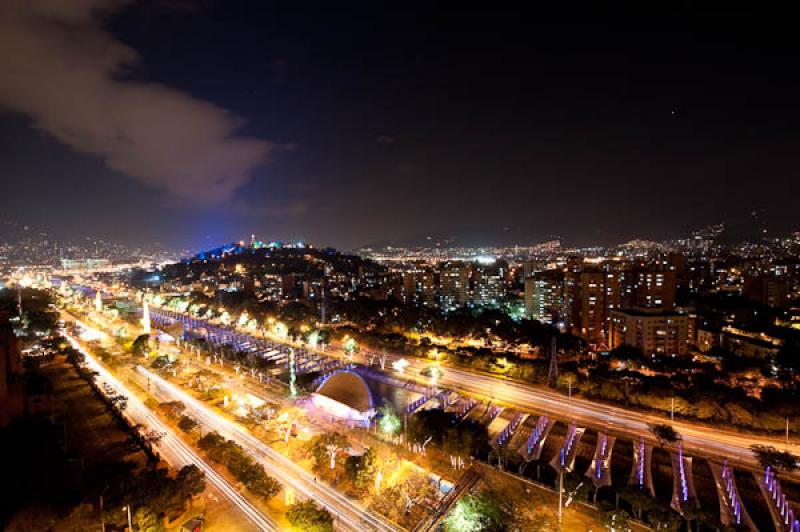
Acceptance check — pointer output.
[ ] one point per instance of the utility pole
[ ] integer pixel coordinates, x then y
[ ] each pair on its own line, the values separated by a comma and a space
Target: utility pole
552, 376
672, 409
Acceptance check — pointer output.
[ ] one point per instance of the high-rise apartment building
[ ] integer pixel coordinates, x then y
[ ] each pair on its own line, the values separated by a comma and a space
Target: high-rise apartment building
544, 296
593, 291
584, 300
454, 280
769, 290
655, 289
488, 288
651, 330
412, 282
429, 288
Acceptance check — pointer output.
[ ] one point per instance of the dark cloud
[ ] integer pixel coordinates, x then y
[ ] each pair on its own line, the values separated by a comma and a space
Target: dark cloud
61, 68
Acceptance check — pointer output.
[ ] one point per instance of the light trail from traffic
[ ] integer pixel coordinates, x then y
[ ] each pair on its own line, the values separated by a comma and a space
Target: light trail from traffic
174, 450
349, 513
630, 423
710, 441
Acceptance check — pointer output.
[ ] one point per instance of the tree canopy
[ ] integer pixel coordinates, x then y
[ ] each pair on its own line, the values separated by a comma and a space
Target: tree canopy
769, 456
475, 513
361, 470
321, 445
309, 517
664, 433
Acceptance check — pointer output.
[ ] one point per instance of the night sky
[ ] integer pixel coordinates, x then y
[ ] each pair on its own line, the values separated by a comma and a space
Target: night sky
348, 123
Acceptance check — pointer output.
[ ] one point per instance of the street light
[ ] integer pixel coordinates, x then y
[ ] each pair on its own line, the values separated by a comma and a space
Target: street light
130, 523
400, 365
569, 384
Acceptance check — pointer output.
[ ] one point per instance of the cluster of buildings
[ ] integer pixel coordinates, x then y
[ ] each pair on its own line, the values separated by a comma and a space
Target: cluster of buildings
627, 295
274, 272
444, 250
616, 300
279, 273
455, 283
610, 302
24, 247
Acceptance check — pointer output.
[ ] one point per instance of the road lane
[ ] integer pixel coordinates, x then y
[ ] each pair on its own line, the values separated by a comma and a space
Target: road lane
697, 438
350, 514
172, 448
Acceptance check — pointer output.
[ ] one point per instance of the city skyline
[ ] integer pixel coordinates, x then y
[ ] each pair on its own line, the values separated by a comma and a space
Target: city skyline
598, 126
359, 266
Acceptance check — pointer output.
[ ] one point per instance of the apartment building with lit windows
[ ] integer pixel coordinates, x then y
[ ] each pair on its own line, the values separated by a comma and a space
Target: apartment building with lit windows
653, 331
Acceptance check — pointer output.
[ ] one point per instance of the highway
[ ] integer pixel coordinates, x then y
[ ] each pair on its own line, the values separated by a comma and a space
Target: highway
634, 424
697, 438
350, 515
704, 440
172, 448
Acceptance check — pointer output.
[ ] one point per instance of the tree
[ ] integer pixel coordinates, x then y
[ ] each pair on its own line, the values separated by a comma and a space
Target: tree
160, 362
394, 501
191, 481
390, 503
664, 519
118, 402
389, 421
627, 353
309, 517
327, 446
252, 474
74, 357
140, 345
779, 461
474, 513
186, 424
147, 520
172, 409
244, 468
264, 485
210, 441
361, 470
324, 337
664, 433
788, 360
432, 423
616, 520
468, 438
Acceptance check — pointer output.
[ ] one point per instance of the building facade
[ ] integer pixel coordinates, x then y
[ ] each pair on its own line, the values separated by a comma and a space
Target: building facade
652, 331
